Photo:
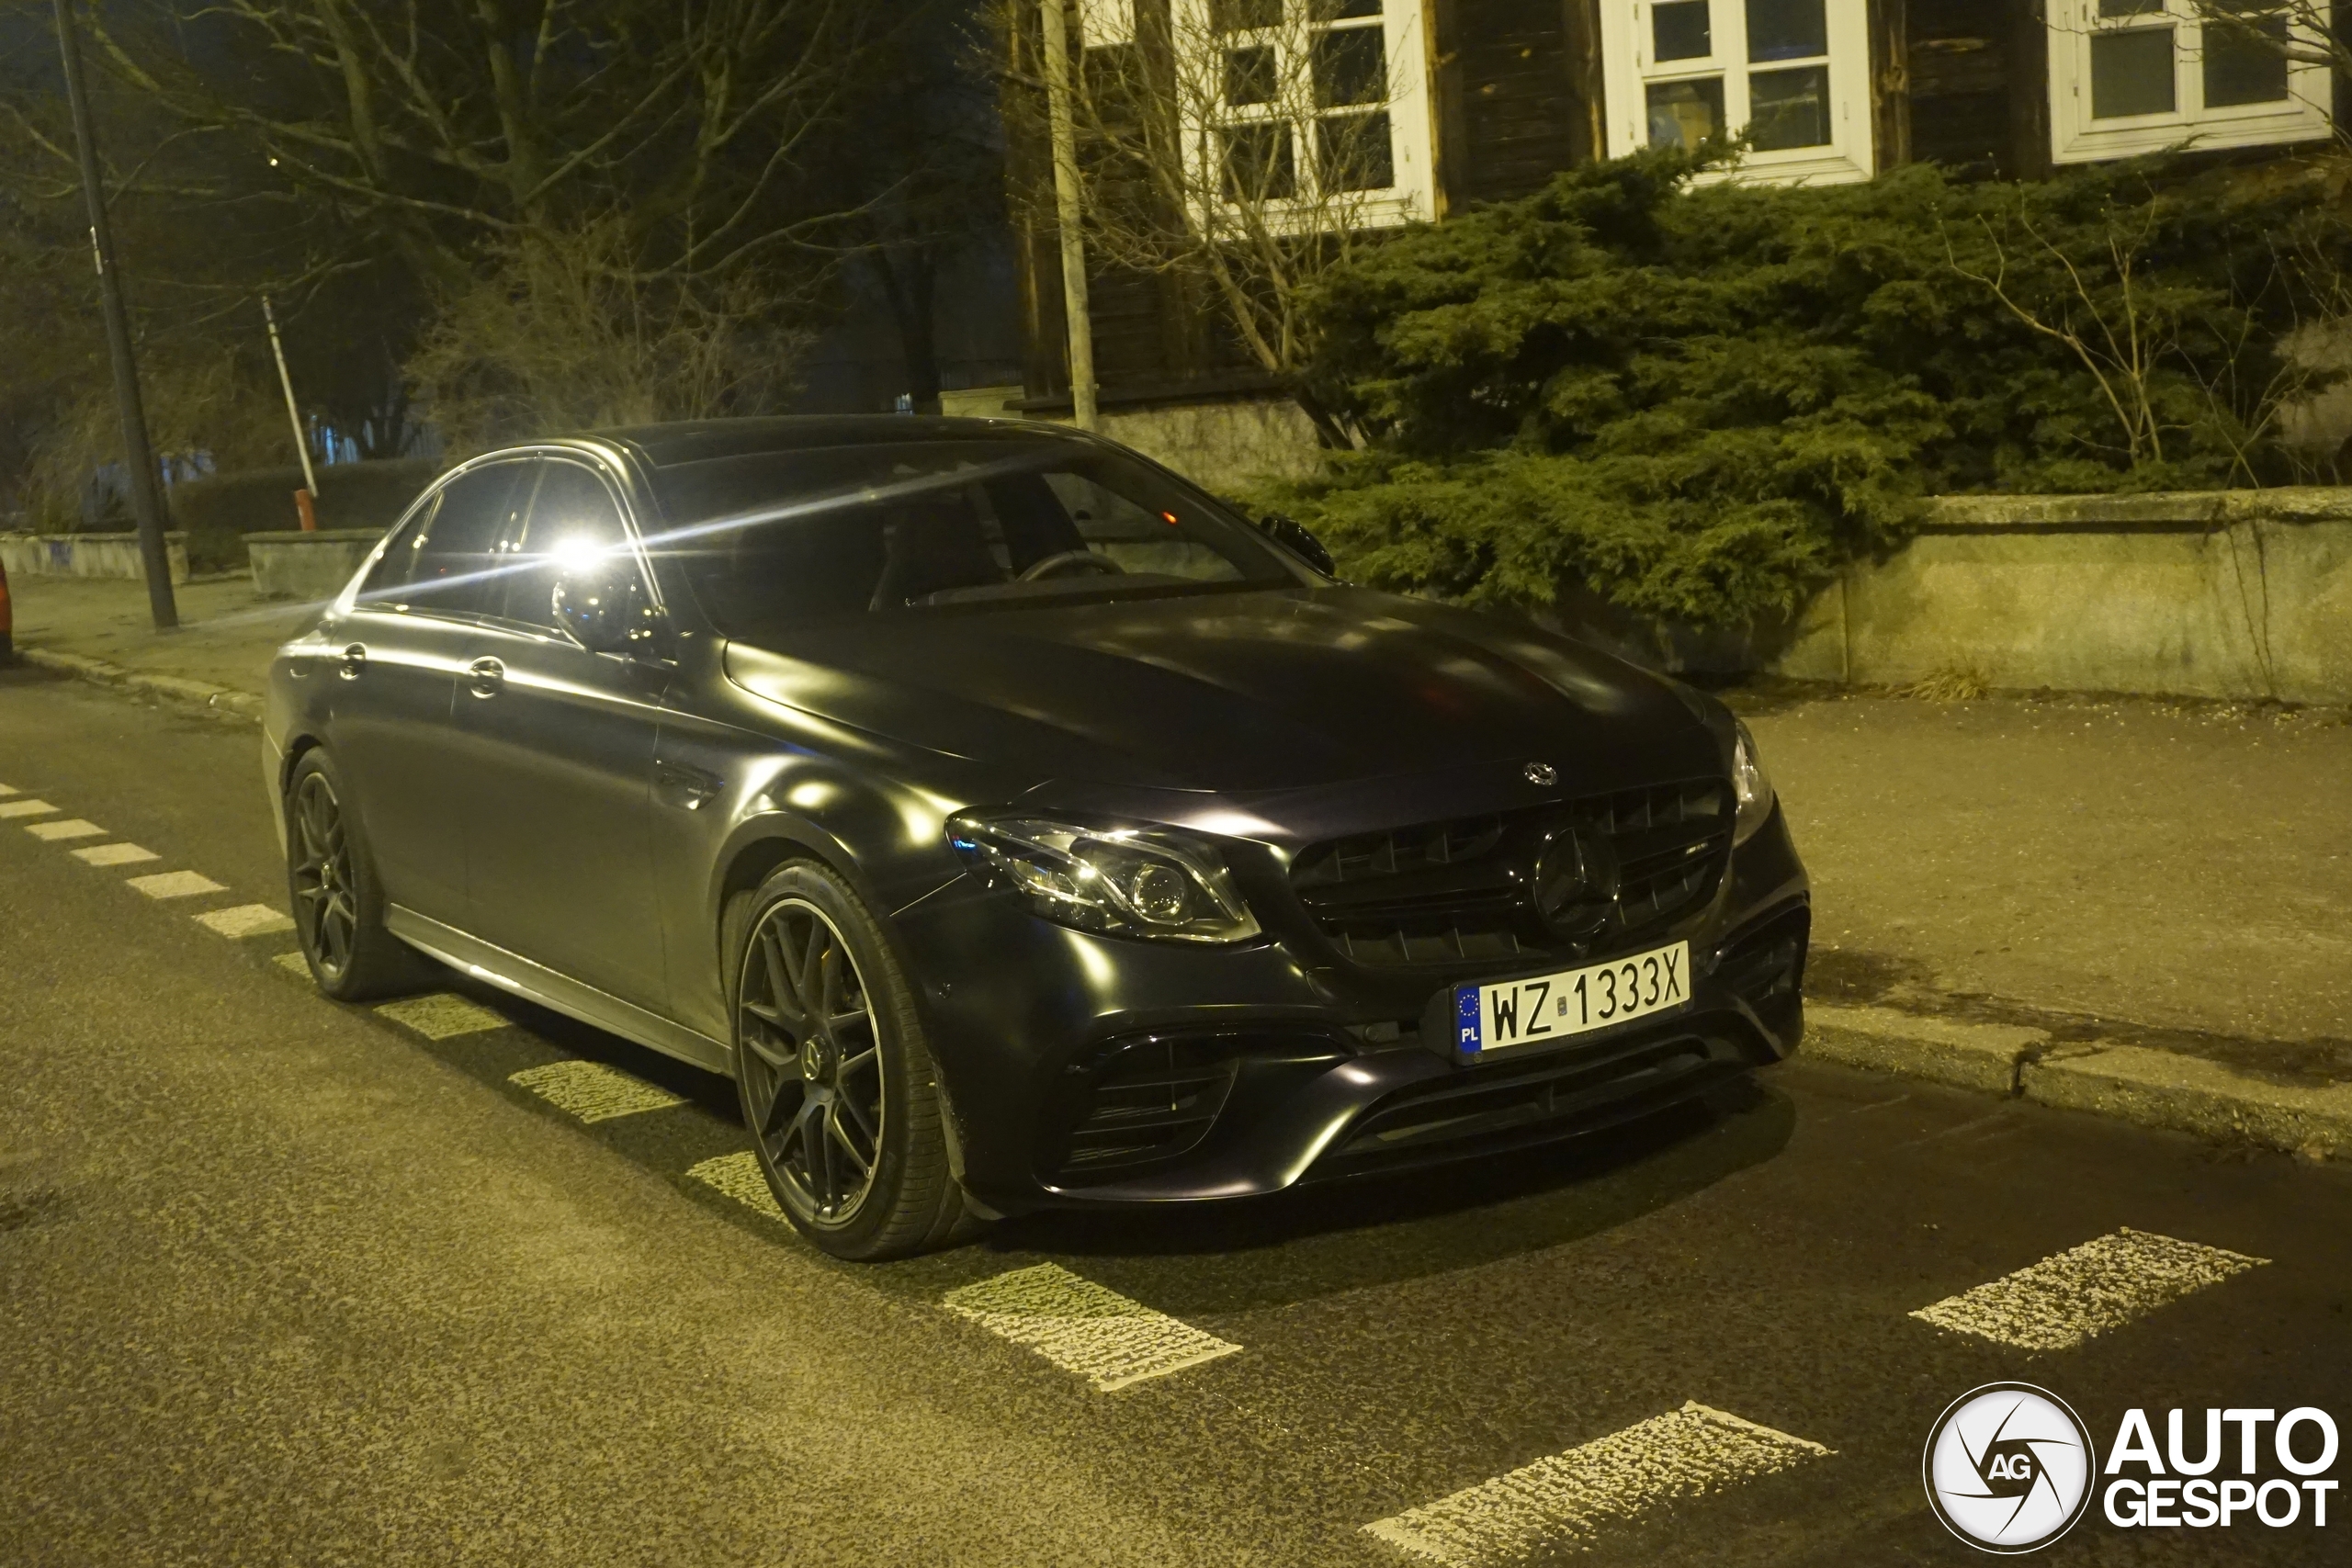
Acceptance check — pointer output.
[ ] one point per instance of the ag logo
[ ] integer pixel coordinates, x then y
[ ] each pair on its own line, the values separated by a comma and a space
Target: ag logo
2009, 1467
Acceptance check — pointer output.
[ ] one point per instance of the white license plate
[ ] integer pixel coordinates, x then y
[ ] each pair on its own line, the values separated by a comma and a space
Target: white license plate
1546, 1008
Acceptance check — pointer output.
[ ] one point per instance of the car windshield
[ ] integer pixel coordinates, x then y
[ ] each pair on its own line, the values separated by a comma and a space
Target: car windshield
779, 539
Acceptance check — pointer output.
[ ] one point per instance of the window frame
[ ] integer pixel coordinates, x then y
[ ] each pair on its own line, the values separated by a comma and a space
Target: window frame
1412, 157
542, 459
1627, 72
2075, 137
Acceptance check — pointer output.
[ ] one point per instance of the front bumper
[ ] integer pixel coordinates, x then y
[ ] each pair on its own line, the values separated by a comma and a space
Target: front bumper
1084, 1070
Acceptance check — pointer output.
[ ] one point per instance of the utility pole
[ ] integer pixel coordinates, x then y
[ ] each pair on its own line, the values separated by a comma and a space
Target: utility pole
308, 492
146, 503
1055, 14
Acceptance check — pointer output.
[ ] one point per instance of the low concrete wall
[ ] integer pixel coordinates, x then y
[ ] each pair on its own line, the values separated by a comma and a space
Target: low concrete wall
1217, 444
87, 554
295, 565
2245, 593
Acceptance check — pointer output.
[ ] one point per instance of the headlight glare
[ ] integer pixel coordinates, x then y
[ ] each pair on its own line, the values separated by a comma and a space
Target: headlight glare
1749, 782
1146, 881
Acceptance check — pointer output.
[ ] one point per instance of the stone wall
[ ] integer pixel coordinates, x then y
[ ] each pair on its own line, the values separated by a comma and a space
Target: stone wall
87, 554
313, 566
2243, 593
1217, 444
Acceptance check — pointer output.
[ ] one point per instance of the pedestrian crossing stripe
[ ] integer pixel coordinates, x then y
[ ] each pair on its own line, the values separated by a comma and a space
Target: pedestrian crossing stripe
1568, 1499
175, 884
440, 1016
113, 854
67, 827
1084, 1327
245, 920
593, 1091
740, 1178
25, 808
2085, 1291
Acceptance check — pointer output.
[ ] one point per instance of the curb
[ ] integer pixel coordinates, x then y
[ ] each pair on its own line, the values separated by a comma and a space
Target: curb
2133, 1083
202, 694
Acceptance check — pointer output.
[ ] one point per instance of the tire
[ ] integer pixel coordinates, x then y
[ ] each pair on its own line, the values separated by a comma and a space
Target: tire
337, 900
834, 1072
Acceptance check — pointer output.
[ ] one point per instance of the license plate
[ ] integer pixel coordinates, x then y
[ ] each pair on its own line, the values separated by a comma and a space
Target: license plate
1543, 1010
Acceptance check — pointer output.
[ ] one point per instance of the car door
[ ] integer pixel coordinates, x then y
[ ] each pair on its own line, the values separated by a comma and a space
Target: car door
399, 649
559, 745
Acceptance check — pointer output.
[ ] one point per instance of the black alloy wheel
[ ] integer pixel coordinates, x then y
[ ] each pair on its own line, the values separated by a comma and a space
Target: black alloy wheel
834, 1073
338, 902
815, 1086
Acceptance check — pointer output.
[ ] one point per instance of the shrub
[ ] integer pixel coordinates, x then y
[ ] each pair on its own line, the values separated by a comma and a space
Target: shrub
1696, 401
218, 511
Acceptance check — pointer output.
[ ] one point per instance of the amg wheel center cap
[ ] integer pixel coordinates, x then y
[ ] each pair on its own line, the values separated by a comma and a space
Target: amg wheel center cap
814, 1058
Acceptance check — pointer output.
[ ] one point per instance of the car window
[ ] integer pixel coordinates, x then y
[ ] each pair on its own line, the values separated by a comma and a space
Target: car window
571, 512
389, 573
781, 539
443, 567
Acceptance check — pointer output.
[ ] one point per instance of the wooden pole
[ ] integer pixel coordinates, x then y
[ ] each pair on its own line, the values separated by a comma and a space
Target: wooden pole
310, 489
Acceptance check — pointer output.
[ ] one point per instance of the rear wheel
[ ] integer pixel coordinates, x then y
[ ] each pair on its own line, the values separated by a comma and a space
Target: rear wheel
338, 902
836, 1077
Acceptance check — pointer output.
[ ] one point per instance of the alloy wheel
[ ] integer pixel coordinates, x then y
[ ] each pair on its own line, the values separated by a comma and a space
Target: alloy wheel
325, 896
812, 1062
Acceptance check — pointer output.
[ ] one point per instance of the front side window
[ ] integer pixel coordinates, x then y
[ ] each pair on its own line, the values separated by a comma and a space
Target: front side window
1790, 74
2128, 76
778, 541
573, 517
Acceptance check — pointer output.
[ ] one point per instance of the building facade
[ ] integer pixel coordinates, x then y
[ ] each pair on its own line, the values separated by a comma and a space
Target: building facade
1486, 100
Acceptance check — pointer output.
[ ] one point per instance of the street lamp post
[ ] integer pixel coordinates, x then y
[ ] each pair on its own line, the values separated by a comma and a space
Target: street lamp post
146, 503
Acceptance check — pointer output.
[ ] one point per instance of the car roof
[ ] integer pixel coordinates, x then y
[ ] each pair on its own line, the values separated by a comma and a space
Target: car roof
696, 441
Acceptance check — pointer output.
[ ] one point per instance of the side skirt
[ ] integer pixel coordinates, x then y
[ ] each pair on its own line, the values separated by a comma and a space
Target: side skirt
536, 983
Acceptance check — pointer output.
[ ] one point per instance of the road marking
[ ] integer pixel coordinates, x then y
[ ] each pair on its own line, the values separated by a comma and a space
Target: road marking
177, 885
25, 808
2105, 1283
70, 827
293, 963
114, 854
1084, 1327
740, 1178
593, 1091
8, 789
246, 919
1567, 1498
441, 1016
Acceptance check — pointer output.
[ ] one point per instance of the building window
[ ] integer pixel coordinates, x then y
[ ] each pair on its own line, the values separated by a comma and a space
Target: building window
1794, 75
2131, 76
1309, 103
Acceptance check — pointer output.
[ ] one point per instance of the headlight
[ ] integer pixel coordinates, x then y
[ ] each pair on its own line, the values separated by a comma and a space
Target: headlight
1747, 782
1149, 882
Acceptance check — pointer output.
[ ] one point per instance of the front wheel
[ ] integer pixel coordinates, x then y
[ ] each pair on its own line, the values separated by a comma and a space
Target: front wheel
835, 1075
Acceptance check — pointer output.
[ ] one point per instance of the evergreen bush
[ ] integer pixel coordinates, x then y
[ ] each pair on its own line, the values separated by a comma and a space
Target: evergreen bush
1697, 400
218, 511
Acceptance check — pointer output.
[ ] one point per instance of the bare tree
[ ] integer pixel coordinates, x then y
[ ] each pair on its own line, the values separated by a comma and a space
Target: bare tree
1244, 146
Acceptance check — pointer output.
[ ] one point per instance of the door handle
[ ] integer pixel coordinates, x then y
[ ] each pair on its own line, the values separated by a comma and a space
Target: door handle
353, 662
485, 677
692, 787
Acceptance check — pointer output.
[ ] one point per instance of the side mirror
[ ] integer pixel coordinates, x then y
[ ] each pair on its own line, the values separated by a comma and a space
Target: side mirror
1293, 536
602, 603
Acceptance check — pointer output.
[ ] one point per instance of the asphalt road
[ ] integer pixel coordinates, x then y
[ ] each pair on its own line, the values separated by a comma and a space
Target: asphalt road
288, 1282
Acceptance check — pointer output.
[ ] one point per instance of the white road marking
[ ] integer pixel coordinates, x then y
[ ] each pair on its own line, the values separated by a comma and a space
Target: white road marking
441, 1016
593, 1091
246, 919
25, 808
114, 854
2105, 1283
293, 963
1567, 1499
69, 828
177, 885
8, 789
739, 1177
1084, 1327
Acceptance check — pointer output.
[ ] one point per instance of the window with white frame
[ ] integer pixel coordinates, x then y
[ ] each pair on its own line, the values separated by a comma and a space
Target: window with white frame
2131, 76
1794, 75
1312, 103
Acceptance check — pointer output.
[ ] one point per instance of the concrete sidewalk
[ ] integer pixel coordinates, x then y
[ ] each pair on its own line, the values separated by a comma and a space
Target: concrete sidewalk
2137, 907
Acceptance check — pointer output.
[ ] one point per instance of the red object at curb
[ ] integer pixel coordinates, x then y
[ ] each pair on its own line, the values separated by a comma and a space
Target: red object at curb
7, 619
309, 516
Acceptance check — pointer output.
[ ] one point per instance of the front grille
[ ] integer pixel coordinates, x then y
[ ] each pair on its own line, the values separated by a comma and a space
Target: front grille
1553, 880
1501, 1105
1137, 1102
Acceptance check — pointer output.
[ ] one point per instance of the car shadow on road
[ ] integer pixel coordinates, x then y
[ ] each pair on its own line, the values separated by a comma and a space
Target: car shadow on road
1319, 1241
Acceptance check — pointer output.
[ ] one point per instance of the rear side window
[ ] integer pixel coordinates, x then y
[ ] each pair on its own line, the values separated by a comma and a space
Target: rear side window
444, 566
573, 513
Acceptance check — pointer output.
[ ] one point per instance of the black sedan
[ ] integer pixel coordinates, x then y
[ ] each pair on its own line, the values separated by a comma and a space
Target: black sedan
1018, 825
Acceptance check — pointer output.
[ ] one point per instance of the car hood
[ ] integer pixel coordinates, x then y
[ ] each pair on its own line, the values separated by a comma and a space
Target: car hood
1234, 692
